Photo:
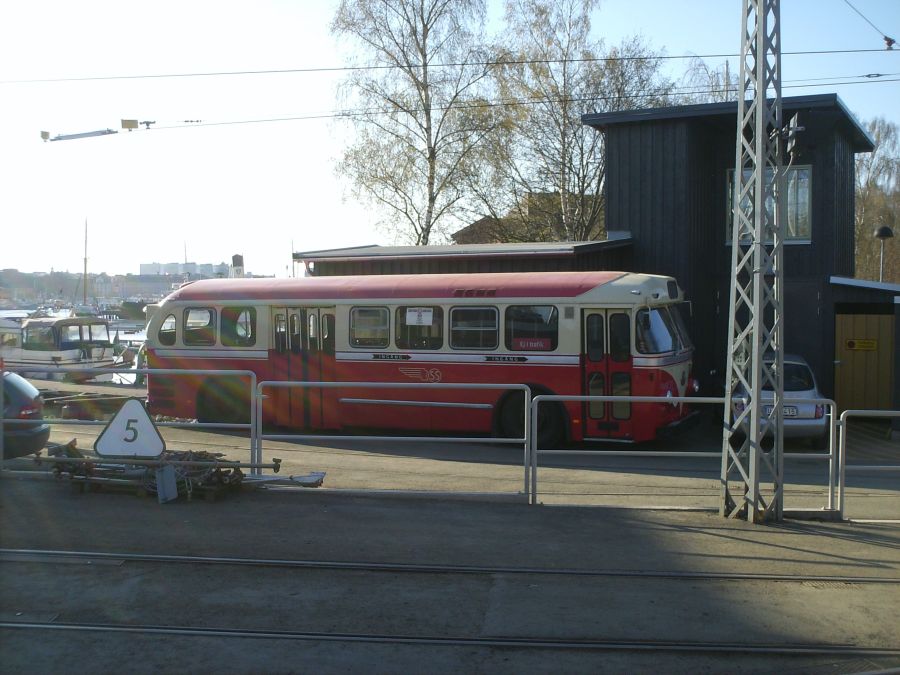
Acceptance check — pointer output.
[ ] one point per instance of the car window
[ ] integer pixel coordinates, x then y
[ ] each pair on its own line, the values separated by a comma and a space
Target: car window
797, 377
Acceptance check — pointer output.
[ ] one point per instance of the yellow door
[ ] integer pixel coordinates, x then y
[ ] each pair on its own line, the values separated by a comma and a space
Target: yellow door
864, 361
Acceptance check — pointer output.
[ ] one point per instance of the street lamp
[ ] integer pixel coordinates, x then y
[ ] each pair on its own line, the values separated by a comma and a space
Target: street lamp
882, 233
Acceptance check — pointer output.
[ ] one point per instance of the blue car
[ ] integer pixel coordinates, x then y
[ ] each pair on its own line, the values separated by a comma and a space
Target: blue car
21, 401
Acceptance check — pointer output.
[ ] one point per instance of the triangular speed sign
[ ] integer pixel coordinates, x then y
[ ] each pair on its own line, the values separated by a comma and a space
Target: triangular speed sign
130, 433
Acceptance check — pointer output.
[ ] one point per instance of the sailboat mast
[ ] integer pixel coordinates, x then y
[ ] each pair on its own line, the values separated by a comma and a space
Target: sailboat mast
84, 285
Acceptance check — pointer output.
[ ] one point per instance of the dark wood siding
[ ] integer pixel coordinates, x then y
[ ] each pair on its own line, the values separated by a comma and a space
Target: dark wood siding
668, 185
614, 258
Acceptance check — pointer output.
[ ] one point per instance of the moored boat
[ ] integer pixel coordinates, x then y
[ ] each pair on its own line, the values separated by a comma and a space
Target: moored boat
59, 348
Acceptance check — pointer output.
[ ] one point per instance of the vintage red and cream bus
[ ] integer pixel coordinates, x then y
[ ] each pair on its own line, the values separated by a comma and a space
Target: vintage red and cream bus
568, 333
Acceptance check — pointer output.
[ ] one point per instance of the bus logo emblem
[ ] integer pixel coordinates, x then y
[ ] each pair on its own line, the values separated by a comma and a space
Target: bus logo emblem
423, 374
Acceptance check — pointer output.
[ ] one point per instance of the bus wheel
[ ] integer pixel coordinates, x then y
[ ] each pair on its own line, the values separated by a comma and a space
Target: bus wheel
214, 406
551, 420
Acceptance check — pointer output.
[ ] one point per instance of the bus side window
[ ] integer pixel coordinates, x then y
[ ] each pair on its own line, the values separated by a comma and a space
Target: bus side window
620, 337
296, 333
238, 326
474, 328
328, 334
369, 327
166, 332
280, 334
419, 327
199, 326
596, 349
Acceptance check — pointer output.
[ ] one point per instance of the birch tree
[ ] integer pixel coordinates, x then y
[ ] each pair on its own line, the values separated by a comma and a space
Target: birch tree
418, 115
545, 178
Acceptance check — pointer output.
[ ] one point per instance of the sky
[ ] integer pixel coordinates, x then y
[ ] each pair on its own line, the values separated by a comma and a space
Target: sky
256, 175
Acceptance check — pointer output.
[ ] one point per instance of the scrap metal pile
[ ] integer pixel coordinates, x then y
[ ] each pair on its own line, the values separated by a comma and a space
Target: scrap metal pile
171, 475
193, 471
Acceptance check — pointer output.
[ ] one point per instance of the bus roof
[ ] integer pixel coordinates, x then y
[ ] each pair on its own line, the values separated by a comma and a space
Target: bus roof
395, 286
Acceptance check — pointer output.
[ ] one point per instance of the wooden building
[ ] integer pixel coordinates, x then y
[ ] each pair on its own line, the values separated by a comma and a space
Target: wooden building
669, 178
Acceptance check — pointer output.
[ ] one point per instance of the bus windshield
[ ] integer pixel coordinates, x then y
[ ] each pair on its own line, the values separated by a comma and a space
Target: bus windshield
660, 330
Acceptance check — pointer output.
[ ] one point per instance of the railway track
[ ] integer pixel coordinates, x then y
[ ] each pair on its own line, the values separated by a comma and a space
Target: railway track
86, 567
772, 649
36, 555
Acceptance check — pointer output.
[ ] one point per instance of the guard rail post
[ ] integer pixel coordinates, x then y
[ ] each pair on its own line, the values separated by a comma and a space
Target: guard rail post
842, 455
833, 455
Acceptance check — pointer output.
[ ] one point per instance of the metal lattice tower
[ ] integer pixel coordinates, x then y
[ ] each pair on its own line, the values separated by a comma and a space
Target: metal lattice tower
755, 321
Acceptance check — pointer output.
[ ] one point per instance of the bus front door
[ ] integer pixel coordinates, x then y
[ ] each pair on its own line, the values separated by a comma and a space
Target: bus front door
607, 372
299, 348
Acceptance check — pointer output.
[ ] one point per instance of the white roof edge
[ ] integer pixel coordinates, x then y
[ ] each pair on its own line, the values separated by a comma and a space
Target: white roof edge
865, 283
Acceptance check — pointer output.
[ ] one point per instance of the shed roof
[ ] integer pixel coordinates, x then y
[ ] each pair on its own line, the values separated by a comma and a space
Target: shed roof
457, 251
862, 142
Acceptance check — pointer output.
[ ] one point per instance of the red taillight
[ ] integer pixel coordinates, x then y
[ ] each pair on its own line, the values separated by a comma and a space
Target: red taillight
34, 410
820, 412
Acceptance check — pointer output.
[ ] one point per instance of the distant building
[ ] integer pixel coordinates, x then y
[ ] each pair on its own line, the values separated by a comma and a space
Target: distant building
187, 269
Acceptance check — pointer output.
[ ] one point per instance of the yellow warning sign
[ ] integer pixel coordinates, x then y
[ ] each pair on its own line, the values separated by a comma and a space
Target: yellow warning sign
862, 345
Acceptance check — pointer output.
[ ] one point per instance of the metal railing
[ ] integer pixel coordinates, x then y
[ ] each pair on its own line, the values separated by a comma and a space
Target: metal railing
526, 411
836, 454
831, 456
844, 466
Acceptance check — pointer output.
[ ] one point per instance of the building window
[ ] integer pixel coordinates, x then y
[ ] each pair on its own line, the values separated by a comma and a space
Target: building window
532, 328
798, 210
419, 327
474, 328
369, 327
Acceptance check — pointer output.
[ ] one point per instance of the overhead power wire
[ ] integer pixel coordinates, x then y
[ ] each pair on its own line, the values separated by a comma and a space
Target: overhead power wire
889, 42
350, 114
333, 69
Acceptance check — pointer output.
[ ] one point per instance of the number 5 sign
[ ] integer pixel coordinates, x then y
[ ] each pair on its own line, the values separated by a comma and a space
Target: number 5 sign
130, 433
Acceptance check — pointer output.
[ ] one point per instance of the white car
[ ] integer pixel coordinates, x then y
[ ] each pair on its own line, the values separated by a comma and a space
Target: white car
801, 419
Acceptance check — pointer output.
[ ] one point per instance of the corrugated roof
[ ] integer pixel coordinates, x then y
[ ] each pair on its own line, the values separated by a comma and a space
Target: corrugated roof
862, 141
564, 248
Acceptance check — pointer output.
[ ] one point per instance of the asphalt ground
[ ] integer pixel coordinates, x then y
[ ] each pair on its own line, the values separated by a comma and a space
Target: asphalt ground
424, 557
327, 582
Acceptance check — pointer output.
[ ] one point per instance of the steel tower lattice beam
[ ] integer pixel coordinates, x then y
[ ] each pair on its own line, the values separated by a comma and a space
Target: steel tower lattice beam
751, 480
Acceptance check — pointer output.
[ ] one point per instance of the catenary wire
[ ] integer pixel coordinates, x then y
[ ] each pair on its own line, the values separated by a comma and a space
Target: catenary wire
330, 69
350, 114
